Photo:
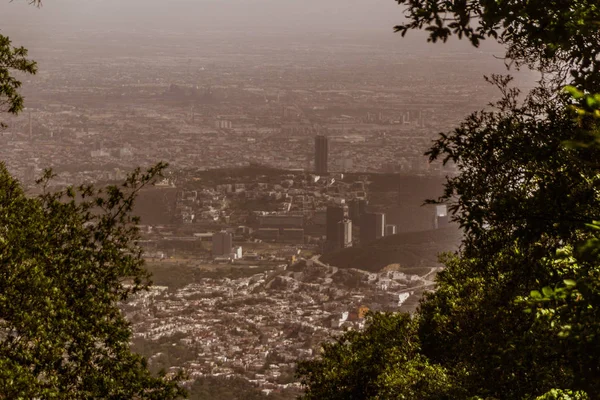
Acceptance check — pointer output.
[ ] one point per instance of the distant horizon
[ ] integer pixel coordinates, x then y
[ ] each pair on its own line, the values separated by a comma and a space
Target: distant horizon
367, 22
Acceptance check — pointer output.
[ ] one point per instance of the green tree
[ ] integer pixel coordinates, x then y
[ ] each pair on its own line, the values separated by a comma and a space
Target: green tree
556, 36
522, 195
570, 310
381, 362
13, 59
556, 394
67, 259
525, 192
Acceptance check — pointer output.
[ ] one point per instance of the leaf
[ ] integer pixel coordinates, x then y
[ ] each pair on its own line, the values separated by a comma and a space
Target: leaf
593, 226
547, 290
570, 283
535, 294
574, 92
591, 102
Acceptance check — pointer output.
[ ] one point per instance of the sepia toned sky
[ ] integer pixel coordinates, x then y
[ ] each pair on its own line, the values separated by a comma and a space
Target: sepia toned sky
365, 20
328, 15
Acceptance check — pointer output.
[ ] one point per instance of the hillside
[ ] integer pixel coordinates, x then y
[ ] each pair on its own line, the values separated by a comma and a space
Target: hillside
412, 250
156, 205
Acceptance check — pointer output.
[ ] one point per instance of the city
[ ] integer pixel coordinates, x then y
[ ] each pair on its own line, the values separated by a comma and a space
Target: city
271, 169
298, 197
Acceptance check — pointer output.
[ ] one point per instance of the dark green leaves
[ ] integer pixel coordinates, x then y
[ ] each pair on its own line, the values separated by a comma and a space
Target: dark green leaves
382, 362
12, 59
66, 260
557, 36
527, 190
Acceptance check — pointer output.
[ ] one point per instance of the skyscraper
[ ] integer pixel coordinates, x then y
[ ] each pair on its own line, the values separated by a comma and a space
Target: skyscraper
441, 216
334, 216
222, 244
345, 234
372, 227
379, 225
390, 230
357, 207
353, 211
321, 154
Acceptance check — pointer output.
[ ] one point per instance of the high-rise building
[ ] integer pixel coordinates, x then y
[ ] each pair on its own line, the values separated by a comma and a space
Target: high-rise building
390, 230
441, 219
367, 228
357, 207
379, 225
372, 227
353, 212
223, 124
333, 217
362, 206
222, 244
321, 154
344, 234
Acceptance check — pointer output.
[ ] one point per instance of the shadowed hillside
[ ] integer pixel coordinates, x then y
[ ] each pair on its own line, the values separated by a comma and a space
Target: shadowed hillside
156, 205
411, 250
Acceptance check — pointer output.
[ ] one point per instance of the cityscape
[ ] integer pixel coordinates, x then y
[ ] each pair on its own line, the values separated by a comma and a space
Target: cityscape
296, 197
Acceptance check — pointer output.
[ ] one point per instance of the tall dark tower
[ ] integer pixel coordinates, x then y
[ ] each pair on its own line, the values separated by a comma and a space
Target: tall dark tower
372, 227
357, 208
321, 154
334, 216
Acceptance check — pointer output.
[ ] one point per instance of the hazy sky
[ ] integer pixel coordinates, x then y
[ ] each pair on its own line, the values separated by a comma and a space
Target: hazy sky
356, 18
295, 14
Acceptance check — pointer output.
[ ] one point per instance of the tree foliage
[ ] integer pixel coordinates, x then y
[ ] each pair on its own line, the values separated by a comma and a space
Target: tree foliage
12, 59
67, 259
522, 194
556, 36
515, 311
381, 362
571, 309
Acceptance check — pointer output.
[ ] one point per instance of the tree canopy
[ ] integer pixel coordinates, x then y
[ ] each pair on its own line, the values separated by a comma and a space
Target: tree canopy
66, 261
381, 362
12, 59
514, 312
557, 36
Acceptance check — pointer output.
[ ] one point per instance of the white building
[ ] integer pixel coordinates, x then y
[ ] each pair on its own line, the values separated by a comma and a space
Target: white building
237, 253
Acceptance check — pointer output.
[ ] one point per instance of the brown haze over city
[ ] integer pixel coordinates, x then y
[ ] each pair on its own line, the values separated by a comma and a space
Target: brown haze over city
250, 32
284, 22
232, 94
